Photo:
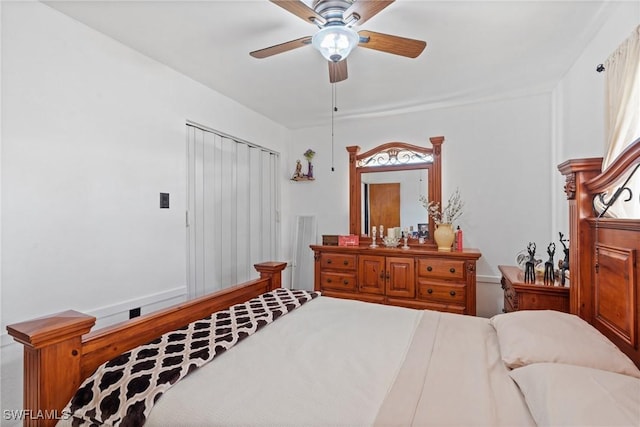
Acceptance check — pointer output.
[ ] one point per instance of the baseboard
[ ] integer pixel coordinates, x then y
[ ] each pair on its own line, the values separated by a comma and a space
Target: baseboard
488, 279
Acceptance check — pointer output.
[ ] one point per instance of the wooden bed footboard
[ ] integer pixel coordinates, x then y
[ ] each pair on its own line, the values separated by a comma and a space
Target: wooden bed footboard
60, 351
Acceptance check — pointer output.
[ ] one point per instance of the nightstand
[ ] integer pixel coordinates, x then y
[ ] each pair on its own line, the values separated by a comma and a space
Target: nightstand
519, 295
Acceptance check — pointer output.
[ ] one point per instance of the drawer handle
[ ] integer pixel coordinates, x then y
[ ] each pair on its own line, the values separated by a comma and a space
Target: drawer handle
345, 281
329, 261
345, 262
452, 270
328, 280
452, 293
429, 268
429, 291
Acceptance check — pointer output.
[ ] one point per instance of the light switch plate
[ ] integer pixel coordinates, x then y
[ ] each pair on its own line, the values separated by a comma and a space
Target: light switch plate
164, 200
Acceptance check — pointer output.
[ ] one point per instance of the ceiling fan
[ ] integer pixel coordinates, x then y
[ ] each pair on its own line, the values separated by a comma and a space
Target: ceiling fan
336, 38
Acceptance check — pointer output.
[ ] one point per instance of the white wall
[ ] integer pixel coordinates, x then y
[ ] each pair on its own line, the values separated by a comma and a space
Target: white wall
579, 96
92, 133
582, 88
497, 153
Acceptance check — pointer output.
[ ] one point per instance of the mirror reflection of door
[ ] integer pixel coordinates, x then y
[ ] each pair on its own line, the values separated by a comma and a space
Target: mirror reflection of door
414, 183
384, 205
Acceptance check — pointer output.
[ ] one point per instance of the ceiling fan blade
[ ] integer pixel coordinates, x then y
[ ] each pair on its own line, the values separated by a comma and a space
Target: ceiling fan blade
282, 47
391, 44
338, 71
365, 9
301, 10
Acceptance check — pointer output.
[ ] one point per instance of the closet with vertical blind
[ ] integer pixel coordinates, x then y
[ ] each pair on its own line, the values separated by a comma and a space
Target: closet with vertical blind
233, 209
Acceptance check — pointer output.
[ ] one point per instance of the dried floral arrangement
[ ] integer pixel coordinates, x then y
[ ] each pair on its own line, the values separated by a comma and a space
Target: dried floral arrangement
449, 213
309, 154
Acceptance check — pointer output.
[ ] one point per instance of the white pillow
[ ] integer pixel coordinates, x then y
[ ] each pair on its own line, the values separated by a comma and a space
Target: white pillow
562, 395
538, 336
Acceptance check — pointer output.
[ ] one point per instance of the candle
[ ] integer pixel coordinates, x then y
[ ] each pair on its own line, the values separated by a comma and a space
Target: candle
381, 231
373, 230
391, 232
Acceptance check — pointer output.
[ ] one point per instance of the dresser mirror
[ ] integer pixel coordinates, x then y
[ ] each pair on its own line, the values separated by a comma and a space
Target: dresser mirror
386, 183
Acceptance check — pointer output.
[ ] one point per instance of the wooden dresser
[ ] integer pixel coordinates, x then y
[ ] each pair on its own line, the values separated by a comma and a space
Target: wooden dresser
415, 277
519, 295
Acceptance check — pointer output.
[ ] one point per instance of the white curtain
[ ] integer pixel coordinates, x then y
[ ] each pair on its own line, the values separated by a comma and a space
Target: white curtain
622, 115
233, 209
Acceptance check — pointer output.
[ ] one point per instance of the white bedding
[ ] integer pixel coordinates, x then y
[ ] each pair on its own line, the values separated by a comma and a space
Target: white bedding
347, 363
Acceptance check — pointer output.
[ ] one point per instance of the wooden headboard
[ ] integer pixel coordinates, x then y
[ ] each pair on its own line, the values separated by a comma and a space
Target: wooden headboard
603, 252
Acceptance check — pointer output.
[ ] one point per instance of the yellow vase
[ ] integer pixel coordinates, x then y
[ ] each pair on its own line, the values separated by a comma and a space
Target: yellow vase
444, 237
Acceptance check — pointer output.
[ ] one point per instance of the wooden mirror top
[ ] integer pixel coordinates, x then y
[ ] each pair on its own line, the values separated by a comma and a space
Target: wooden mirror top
390, 157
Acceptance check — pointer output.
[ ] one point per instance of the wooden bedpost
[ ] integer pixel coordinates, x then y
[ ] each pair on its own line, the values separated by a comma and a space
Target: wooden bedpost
577, 172
271, 271
52, 353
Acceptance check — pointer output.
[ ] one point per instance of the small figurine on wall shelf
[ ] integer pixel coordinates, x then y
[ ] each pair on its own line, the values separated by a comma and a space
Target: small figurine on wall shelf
298, 175
549, 273
529, 270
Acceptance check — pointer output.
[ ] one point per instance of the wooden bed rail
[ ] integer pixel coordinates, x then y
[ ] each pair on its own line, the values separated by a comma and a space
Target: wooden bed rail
60, 351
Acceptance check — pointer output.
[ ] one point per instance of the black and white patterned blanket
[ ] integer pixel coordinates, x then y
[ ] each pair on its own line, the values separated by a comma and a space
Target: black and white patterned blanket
122, 391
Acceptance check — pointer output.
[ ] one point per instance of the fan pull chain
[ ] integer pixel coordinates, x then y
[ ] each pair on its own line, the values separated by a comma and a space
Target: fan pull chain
334, 108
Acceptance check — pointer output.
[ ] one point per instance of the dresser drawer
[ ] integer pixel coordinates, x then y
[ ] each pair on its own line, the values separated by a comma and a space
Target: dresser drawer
338, 262
447, 293
338, 281
441, 268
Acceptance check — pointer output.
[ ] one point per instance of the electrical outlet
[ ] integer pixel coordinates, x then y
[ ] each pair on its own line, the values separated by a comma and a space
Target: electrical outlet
134, 312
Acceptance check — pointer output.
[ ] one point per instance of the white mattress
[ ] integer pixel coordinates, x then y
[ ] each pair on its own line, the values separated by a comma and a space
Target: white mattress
338, 362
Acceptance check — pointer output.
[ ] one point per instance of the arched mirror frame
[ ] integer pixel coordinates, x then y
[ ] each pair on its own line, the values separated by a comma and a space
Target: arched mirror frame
390, 151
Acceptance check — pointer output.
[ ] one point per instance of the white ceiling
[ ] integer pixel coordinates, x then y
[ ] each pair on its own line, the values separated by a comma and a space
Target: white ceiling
475, 49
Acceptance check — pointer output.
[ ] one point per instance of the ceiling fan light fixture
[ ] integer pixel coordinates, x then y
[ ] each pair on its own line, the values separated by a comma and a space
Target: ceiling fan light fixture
335, 42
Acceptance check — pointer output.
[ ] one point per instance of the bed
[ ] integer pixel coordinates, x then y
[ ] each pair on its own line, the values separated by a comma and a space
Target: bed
308, 359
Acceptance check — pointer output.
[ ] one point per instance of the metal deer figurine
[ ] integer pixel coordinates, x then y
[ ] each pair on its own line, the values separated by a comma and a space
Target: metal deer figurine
529, 269
549, 272
563, 264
